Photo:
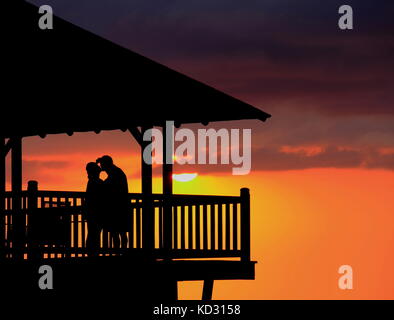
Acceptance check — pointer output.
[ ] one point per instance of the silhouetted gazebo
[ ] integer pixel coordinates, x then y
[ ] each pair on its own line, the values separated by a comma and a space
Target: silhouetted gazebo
69, 80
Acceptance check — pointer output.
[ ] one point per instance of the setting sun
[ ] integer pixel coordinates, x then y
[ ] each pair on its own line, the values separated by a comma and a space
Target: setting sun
184, 177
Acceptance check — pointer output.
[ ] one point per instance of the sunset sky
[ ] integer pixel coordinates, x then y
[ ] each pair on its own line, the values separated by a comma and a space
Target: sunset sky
323, 165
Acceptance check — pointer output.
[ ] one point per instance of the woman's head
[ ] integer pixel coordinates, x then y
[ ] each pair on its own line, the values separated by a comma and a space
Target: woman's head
93, 170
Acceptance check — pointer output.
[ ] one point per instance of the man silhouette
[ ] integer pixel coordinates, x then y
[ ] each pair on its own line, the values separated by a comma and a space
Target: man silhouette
117, 195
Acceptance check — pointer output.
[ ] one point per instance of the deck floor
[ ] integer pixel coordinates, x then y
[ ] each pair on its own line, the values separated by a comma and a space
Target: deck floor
149, 279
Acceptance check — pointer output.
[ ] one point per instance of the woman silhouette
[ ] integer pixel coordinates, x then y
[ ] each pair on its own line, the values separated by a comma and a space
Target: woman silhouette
94, 206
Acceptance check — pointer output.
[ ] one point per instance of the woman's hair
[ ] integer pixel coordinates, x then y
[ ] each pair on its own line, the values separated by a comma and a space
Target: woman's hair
93, 168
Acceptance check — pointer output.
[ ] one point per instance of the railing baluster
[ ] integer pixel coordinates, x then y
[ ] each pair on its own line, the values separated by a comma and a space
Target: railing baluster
175, 224
67, 230
75, 233
8, 203
161, 244
53, 202
131, 232
228, 226
198, 224
183, 227
83, 233
84, 226
104, 240
190, 225
213, 233
6, 233
205, 227
138, 226
220, 226
235, 226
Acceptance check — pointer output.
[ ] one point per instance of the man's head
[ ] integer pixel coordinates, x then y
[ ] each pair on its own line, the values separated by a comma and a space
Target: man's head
105, 162
93, 170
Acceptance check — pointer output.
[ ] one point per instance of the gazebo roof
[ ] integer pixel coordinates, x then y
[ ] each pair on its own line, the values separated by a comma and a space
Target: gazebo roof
69, 80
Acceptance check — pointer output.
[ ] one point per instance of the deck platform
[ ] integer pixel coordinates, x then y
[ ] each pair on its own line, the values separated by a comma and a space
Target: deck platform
141, 278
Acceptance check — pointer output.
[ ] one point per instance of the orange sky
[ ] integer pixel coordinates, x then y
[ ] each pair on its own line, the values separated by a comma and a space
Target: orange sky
305, 224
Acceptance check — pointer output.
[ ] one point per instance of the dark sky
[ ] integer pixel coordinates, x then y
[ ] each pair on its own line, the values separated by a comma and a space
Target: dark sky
326, 88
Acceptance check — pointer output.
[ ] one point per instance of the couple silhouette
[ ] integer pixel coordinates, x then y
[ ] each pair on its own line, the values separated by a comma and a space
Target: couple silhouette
106, 203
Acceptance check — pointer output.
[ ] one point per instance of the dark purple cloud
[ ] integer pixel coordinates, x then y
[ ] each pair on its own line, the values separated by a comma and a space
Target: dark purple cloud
329, 157
324, 86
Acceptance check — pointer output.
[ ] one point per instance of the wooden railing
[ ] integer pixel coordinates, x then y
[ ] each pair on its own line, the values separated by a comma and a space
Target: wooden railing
52, 224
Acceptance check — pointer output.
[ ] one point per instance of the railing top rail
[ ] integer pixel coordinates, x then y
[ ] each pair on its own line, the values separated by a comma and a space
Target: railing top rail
155, 196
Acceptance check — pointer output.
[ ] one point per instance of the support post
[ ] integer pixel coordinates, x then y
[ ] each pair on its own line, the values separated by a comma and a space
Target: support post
207, 290
245, 224
2, 195
137, 135
32, 204
148, 219
7, 147
168, 146
168, 154
165, 288
16, 186
173, 290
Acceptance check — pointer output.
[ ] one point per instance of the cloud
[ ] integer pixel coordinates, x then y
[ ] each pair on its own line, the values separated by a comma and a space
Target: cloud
36, 165
48, 171
281, 159
330, 157
324, 87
